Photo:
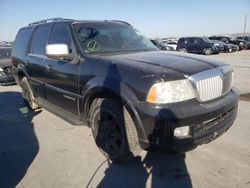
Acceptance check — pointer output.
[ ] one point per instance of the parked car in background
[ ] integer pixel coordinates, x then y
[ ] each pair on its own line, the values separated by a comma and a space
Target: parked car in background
132, 95
6, 76
172, 44
159, 44
246, 39
198, 45
241, 43
227, 47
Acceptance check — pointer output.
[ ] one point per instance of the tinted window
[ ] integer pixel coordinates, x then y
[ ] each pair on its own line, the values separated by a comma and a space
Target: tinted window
60, 35
225, 40
191, 40
21, 42
207, 40
5, 53
197, 41
40, 39
247, 38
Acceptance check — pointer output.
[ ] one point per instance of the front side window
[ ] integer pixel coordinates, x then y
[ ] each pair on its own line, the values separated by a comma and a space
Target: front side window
40, 40
197, 41
224, 40
111, 38
60, 35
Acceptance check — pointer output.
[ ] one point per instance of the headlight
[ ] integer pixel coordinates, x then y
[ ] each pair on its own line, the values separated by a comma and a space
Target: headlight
241, 43
1, 70
181, 131
170, 92
216, 44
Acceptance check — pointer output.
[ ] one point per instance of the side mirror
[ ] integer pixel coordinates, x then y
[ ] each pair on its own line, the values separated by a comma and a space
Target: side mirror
58, 51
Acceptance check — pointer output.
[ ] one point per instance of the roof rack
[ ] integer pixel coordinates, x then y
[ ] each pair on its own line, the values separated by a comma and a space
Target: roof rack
48, 20
121, 22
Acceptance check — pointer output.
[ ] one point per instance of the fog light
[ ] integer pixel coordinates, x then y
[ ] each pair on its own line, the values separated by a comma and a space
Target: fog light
181, 131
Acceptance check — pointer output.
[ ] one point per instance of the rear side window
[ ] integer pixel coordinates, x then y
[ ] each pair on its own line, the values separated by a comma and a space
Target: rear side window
60, 35
40, 40
21, 43
190, 40
5, 53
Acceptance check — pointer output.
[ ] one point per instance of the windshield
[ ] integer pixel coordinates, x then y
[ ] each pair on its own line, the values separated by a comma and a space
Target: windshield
207, 40
109, 37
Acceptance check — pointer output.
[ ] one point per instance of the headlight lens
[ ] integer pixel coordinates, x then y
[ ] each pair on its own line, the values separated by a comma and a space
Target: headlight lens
241, 43
170, 92
181, 131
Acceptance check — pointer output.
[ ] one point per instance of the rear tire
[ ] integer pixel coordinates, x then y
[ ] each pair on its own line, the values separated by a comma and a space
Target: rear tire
113, 130
27, 94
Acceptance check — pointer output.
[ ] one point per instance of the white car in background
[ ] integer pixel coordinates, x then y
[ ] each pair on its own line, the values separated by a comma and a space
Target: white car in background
172, 44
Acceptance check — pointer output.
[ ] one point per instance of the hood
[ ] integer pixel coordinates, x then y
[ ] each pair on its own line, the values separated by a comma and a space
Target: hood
186, 64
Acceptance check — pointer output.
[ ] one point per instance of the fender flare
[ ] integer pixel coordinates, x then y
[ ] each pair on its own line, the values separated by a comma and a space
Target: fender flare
110, 89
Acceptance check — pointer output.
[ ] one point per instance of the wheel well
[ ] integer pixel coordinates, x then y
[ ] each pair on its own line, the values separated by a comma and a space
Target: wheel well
115, 96
98, 95
20, 75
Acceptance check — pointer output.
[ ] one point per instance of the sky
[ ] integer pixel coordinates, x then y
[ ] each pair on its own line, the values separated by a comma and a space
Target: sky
159, 18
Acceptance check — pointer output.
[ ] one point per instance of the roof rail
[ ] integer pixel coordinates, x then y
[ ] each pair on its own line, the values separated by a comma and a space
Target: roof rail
121, 22
48, 20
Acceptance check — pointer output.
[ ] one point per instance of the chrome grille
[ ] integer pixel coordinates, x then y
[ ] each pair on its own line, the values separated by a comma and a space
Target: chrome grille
213, 83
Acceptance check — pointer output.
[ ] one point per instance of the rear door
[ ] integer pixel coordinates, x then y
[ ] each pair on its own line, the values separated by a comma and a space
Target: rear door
35, 60
62, 75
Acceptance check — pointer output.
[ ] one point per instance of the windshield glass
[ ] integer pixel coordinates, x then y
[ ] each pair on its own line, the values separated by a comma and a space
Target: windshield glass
206, 39
109, 37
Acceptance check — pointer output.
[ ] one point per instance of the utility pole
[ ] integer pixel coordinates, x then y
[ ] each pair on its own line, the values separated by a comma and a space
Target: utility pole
245, 24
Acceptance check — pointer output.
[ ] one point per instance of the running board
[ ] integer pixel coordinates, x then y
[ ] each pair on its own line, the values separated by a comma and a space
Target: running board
60, 112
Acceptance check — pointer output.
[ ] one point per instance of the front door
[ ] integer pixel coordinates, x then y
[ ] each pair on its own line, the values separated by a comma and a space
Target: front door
62, 75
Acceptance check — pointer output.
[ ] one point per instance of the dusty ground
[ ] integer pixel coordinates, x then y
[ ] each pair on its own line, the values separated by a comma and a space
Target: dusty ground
38, 149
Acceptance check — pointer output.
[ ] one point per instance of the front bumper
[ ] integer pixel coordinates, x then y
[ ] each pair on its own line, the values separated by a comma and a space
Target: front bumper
207, 121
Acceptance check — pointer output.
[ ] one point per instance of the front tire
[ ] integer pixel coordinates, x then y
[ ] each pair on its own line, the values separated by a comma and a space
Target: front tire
208, 51
113, 130
27, 94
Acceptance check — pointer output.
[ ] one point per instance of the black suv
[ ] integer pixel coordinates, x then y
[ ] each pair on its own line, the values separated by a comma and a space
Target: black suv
241, 43
198, 45
131, 94
246, 39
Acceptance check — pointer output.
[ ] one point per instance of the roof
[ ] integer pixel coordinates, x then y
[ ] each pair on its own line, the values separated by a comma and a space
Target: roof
59, 19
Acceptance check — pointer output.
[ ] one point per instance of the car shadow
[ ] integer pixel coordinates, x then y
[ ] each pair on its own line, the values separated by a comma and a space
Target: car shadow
18, 142
154, 169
